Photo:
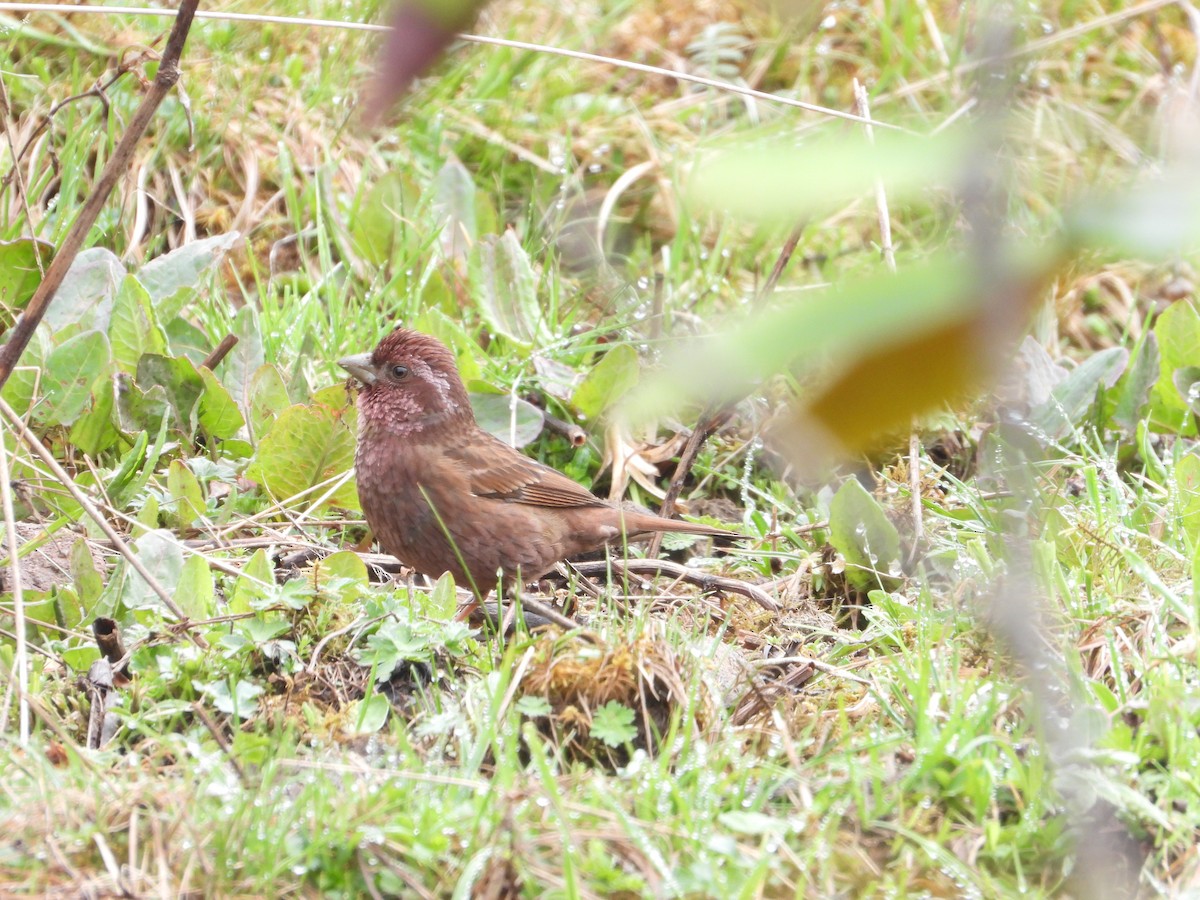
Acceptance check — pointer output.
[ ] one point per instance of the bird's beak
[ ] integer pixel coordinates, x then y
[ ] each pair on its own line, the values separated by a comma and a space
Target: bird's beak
360, 367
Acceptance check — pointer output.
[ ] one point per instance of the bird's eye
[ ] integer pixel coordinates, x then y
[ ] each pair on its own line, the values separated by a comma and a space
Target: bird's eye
399, 372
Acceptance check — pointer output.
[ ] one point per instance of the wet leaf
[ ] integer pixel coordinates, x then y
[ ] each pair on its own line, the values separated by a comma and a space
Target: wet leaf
72, 370
171, 279
306, 446
513, 420
20, 275
860, 531
507, 289
608, 381
132, 327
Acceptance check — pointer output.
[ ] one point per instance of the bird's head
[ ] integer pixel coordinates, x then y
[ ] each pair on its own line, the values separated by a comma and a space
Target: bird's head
410, 383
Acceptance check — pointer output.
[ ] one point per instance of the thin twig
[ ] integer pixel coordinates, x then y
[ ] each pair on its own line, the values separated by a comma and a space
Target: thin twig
31, 440
114, 169
220, 352
703, 580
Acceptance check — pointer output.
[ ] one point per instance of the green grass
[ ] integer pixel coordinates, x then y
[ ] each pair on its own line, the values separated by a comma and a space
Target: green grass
340, 736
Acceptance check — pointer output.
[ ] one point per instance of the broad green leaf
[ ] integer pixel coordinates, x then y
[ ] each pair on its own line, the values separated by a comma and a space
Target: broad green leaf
21, 386
608, 381
443, 599
171, 279
88, 580
1075, 394
368, 715
72, 370
195, 593
181, 383
268, 398
94, 432
513, 420
889, 348
507, 288
306, 446
1178, 334
778, 182
132, 328
343, 573
860, 531
257, 582
85, 298
1133, 392
20, 275
454, 209
185, 339
218, 415
1187, 482
185, 499
246, 358
379, 226
137, 410
162, 556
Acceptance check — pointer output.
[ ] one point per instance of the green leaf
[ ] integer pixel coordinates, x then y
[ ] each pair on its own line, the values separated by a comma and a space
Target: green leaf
508, 290
1187, 483
268, 398
306, 446
185, 499
181, 383
378, 226
513, 420
19, 391
778, 182
533, 707
218, 415
162, 556
1178, 333
185, 339
368, 715
246, 358
88, 580
613, 724
85, 297
454, 209
343, 574
171, 279
860, 530
443, 599
20, 275
608, 381
132, 327
1133, 393
256, 582
94, 432
72, 370
1075, 394
138, 410
195, 594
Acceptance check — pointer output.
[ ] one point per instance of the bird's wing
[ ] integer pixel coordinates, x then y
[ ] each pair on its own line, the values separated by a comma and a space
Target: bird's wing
498, 471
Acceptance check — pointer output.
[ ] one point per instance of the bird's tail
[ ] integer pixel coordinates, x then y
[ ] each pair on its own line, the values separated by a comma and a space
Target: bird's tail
643, 523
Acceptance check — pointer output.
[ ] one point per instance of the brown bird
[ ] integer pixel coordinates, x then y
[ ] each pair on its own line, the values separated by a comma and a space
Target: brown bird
443, 495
